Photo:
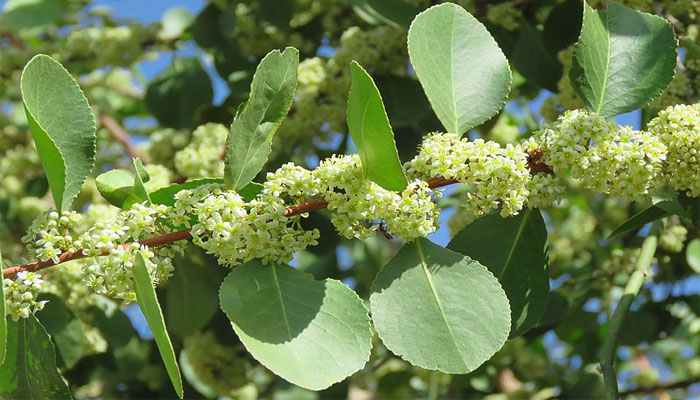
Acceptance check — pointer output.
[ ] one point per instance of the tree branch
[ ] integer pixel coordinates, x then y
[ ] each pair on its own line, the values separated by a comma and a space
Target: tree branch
607, 360
120, 135
682, 384
305, 207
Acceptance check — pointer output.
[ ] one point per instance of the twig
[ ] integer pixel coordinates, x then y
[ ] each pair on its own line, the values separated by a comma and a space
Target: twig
120, 135
682, 384
305, 207
607, 360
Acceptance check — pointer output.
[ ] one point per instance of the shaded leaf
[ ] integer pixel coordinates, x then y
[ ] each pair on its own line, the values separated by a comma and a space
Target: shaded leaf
438, 309
622, 59
175, 94
148, 302
393, 12
649, 214
271, 94
62, 125
562, 26
191, 298
30, 371
66, 331
463, 71
514, 249
533, 61
371, 132
311, 333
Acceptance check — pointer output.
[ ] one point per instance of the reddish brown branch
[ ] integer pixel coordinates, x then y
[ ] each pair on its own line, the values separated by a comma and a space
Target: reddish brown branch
120, 135
305, 207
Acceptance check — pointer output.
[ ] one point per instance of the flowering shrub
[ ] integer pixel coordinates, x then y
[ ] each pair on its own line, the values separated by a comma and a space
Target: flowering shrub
349, 151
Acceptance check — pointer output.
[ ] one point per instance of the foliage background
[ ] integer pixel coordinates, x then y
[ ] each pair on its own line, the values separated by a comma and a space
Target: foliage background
557, 359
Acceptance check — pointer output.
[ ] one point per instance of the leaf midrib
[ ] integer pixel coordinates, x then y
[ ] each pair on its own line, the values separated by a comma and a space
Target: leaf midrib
424, 265
519, 233
607, 59
250, 143
286, 321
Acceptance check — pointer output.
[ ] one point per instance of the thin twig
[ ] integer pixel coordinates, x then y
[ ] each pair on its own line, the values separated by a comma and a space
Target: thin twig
640, 274
120, 135
305, 207
682, 384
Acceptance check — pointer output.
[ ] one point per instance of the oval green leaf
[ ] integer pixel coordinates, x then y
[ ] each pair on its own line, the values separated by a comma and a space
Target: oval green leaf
514, 249
622, 60
117, 187
370, 130
311, 333
271, 95
62, 125
438, 309
463, 71
692, 255
174, 96
148, 302
30, 371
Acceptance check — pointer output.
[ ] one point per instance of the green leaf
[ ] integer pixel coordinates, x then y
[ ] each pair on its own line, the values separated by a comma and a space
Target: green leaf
438, 309
174, 96
166, 195
66, 331
514, 249
146, 296
118, 188
62, 124
563, 25
622, 60
271, 95
397, 13
311, 333
371, 132
668, 200
649, 214
692, 255
533, 61
463, 71
191, 298
3, 321
23, 14
112, 322
30, 371
404, 100
140, 179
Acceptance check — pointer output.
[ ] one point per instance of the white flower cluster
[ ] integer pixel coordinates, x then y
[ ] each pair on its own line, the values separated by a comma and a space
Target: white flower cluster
209, 360
21, 295
236, 231
616, 161
111, 274
679, 128
673, 236
100, 231
49, 235
160, 175
497, 177
118, 45
361, 206
202, 157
